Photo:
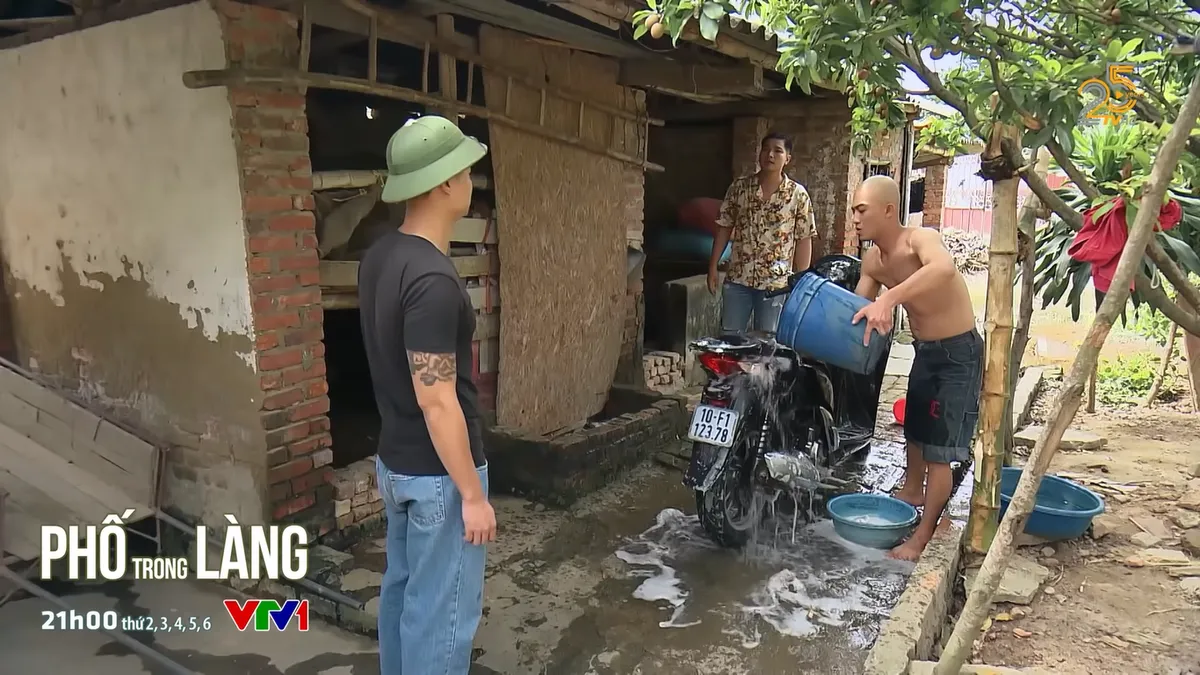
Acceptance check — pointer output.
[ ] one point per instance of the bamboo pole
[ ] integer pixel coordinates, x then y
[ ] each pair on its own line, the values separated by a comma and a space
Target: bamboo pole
998, 332
1161, 375
1027, 245
200, 79
979, 598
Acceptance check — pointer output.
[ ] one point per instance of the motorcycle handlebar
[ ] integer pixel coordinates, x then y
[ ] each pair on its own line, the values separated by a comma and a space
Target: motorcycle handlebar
791, 283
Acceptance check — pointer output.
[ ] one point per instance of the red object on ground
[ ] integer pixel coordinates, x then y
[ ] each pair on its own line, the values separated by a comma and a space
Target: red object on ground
701, 214
898, 410
1102, 237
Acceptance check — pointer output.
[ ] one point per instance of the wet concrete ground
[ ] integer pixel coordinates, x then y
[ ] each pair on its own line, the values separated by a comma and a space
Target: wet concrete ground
624, 582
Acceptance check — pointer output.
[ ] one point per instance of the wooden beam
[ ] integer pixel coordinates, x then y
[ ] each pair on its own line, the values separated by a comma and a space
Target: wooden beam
33, 22
200, 79
807, 107
361, 178
411, 30
733, 42
343, 274
689, 78
530, 21
474, 231
467, 266
447, 65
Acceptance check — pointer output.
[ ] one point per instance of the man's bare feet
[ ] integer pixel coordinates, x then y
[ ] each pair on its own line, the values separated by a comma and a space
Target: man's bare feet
912, 497
911, 549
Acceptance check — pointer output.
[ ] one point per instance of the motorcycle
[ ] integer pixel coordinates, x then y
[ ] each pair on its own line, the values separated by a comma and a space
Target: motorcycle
772, 421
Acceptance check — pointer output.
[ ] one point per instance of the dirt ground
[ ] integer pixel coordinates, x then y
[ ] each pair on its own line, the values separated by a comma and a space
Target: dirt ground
1103, 616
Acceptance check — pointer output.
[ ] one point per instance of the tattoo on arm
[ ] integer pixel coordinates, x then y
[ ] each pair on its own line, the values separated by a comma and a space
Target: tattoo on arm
433, 368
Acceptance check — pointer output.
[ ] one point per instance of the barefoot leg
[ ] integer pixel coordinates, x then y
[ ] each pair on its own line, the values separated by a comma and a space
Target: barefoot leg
941, 483
913, 490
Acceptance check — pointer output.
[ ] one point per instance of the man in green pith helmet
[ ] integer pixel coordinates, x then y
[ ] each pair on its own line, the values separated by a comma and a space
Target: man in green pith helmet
417, 324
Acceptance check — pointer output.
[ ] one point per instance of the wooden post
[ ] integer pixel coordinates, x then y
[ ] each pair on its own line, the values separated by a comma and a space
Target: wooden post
998, 332
1066, 404
447, 67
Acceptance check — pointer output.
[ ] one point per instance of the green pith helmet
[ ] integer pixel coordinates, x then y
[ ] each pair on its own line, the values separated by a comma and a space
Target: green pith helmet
424, 153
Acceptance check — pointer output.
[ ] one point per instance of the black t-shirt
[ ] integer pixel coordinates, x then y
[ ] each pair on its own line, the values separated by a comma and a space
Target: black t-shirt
412, 300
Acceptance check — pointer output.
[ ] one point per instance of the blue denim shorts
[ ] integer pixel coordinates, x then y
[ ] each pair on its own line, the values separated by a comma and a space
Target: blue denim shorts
942, 407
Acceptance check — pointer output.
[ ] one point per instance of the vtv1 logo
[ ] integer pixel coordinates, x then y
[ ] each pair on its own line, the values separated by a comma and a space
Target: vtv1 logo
266, 613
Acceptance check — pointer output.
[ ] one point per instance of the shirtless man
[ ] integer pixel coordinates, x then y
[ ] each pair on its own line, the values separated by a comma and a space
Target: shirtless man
947, 373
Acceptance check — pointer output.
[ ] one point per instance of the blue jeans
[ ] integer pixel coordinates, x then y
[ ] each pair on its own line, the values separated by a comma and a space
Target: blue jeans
738, 302
431, 601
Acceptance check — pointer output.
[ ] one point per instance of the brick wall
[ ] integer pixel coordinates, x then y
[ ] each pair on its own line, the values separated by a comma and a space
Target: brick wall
748, 133
935, 196
821, 161
629, 363
271, 134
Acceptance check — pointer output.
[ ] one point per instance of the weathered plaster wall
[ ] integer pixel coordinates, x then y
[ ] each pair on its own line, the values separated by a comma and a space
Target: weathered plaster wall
123, 242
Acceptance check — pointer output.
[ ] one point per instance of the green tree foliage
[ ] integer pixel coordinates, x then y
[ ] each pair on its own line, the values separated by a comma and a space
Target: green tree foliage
1053, 67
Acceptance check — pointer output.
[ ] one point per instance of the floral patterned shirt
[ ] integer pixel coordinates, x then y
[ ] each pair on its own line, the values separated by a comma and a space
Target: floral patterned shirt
765, 230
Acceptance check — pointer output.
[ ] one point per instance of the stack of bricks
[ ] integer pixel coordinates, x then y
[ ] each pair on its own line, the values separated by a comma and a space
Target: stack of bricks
663, 371
357, 501
271, 135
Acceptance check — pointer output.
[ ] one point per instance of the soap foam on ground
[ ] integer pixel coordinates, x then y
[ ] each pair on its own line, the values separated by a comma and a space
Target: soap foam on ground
820, 580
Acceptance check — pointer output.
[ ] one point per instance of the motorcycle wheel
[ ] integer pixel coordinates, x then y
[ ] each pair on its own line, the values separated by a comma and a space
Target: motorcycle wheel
728, 511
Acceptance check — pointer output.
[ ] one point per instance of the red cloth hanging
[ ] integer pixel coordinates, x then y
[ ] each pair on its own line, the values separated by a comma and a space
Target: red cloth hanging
1102, 238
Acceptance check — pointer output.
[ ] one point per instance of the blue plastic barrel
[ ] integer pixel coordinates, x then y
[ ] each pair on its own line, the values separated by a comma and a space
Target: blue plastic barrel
816, 321
689, 244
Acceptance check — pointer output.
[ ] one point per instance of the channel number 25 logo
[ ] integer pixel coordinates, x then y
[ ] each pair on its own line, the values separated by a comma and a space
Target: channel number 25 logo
1117, 94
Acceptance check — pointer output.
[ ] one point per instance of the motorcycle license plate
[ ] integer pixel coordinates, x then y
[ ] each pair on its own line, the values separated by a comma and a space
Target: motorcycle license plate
713, 425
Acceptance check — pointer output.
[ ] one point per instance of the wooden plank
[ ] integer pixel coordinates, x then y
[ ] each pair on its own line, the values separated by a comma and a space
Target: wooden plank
474, 231
469, 266
479, 296
79, 436
28, 508
344, 273
689, 78
489, 355
533, 22
339, 273
404, 27
75, 487
487, 326
339, 300
286, 77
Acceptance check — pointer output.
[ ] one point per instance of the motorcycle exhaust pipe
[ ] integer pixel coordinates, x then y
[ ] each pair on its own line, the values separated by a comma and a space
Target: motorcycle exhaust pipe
798, 472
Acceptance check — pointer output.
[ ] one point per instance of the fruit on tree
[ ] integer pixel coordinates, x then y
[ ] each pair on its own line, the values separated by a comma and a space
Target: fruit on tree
657, 30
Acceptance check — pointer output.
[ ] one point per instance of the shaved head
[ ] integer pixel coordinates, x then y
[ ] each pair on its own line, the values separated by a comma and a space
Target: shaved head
880, 190
876, 207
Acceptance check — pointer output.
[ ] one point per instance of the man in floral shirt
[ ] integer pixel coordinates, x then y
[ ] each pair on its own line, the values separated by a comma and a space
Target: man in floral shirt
769, 217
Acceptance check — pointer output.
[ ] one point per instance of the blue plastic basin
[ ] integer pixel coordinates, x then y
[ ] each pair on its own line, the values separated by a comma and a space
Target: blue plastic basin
877, 521
1063, 509
816, 321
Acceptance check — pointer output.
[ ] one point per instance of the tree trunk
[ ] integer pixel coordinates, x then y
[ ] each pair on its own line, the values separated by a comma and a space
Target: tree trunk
979, 599
1027, 238
998, 331
1162, 367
